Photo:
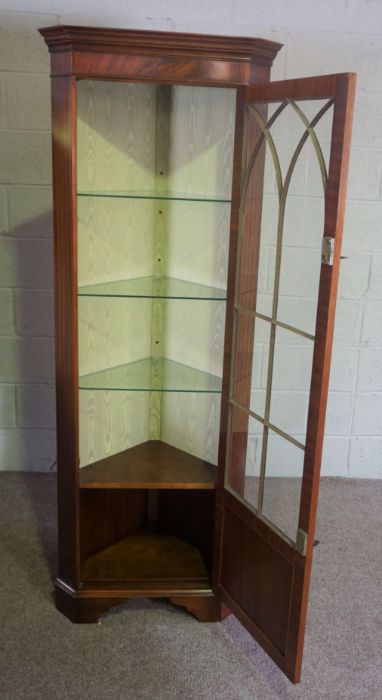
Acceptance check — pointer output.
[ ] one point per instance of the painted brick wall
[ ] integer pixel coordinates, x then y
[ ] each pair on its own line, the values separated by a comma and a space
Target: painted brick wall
319, 37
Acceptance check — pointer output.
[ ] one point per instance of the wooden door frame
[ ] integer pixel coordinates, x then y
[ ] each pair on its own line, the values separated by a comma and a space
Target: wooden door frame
341, 89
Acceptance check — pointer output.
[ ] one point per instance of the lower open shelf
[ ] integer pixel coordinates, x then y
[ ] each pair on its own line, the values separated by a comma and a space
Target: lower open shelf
147, 557
152, 464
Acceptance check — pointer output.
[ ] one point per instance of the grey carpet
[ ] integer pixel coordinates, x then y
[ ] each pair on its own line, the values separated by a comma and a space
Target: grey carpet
151, 650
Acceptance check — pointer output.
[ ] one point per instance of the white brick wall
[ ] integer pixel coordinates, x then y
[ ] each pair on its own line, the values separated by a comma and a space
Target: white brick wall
319, 37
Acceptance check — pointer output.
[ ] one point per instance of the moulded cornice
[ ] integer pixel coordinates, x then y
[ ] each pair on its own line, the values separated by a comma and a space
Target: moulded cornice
63, 38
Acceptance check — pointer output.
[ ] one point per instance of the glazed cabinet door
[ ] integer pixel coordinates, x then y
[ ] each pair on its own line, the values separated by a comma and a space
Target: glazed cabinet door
291, 163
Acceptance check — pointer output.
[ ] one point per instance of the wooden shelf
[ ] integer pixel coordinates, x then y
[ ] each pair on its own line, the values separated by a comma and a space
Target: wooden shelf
153, 464
147, 557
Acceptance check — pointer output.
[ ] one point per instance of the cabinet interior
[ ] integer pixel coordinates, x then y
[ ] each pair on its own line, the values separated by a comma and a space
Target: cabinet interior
154, 178
147, 536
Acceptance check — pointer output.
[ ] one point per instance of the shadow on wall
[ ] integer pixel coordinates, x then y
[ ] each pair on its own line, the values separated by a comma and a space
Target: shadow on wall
27, 364
27, 407
27, 355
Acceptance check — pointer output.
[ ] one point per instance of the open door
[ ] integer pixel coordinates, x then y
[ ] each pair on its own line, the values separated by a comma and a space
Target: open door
291, 161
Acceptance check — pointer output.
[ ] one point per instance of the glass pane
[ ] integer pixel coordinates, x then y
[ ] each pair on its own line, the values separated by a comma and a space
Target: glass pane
267, 248
279, 248
151, 287
284, 224
260, 366
292, 372
251, 362
282, 484
243, 464
255, 229
302, 210
303, 222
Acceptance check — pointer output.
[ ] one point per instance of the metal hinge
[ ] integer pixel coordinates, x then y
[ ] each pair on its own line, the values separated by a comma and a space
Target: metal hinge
327, 251
301, 542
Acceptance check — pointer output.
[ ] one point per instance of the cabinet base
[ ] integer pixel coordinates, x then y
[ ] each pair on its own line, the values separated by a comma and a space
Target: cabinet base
206, 608
80, 609
87, 606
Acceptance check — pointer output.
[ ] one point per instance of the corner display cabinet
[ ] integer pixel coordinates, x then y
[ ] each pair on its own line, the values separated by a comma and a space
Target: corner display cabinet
198, 213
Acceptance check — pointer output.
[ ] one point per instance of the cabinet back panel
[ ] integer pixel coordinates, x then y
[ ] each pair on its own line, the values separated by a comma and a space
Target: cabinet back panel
189, 516
116, 136
116, 129
122, 130
109, 515
191, 423
111, 421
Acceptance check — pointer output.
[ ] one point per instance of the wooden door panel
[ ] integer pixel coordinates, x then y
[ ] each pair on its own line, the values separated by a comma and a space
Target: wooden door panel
261, 581
257, 577
262, 564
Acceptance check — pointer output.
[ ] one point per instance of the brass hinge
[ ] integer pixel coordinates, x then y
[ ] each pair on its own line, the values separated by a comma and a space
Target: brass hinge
301, 542
327, 251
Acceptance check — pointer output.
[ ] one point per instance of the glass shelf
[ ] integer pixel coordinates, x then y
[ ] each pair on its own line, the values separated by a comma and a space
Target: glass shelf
150, 287
152, 375
157, 194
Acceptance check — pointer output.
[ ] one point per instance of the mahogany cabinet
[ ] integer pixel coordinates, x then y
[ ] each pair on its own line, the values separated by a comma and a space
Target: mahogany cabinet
198, 212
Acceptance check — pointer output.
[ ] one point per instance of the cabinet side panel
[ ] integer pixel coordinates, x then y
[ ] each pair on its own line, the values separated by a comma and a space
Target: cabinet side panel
65, 246
110, 515
116, 137
190, 421
201, 143
111, 421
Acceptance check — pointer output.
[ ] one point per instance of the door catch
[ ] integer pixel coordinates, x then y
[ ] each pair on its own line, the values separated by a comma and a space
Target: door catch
327, 251
301, 542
